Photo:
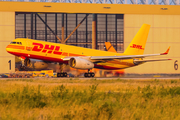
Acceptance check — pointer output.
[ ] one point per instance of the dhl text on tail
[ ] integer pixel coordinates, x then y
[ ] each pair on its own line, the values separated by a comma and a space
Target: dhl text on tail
84, 58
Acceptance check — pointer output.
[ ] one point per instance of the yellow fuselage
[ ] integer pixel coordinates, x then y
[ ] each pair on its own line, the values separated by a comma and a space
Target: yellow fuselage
55, 52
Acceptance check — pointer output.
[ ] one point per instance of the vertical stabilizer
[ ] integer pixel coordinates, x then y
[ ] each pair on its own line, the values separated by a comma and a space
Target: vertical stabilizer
137, 45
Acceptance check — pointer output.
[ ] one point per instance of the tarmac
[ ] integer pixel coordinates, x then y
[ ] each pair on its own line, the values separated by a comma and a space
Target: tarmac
101, 78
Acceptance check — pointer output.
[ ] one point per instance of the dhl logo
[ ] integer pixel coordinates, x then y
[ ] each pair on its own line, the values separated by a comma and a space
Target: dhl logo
137, 46
46, 49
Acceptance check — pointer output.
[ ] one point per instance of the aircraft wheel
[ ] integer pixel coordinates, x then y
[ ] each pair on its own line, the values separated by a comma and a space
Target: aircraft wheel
58, 74
61, 75
85, 74
88, 74
23, 67
64, 74
92, 74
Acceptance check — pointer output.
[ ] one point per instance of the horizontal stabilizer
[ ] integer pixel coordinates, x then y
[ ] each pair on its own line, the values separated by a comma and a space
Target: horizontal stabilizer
151, 60
109, 47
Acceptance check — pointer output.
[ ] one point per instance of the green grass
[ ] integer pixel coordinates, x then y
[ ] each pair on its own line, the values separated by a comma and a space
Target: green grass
36, 99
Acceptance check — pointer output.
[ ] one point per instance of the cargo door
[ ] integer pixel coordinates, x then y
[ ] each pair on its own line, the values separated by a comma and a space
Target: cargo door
28, 45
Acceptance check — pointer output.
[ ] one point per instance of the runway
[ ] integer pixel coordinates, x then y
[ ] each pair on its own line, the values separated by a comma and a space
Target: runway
100, 78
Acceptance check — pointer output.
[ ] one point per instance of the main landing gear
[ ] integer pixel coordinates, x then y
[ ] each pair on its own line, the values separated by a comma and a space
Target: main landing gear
89, 74
23, 67
61, 73
64, 74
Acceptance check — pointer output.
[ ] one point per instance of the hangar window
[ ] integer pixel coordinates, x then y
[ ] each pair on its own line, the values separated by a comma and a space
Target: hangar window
46, 26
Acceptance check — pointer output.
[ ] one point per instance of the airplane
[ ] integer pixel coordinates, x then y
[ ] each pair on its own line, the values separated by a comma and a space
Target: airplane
36, 64
84, 58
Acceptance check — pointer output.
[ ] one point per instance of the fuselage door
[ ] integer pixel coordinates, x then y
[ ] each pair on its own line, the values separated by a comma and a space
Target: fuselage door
28, 45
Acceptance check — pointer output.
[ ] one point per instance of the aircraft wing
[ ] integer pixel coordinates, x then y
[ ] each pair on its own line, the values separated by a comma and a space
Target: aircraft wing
127, 56
122, 57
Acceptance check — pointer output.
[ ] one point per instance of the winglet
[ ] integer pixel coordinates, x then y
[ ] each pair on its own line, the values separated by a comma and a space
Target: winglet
167, 51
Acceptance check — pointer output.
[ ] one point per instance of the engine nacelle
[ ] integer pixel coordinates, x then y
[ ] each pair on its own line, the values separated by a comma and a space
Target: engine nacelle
80, 63
137, 62
35, 64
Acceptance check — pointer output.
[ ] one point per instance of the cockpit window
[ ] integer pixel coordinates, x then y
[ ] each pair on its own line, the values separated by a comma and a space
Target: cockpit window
16, 43
13, 42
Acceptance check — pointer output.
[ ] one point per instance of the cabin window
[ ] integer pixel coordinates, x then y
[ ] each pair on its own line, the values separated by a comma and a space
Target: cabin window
19, 43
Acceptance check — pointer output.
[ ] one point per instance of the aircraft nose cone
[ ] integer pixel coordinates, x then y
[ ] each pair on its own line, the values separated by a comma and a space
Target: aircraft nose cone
7, 48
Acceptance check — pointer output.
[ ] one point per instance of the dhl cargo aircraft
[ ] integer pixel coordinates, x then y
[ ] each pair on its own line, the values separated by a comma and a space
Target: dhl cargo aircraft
84, 58
36, 64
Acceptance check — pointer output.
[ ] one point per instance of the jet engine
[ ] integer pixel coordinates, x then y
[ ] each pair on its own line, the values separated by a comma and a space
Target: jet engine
33, 64
80, 63
138, 61
27, 62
